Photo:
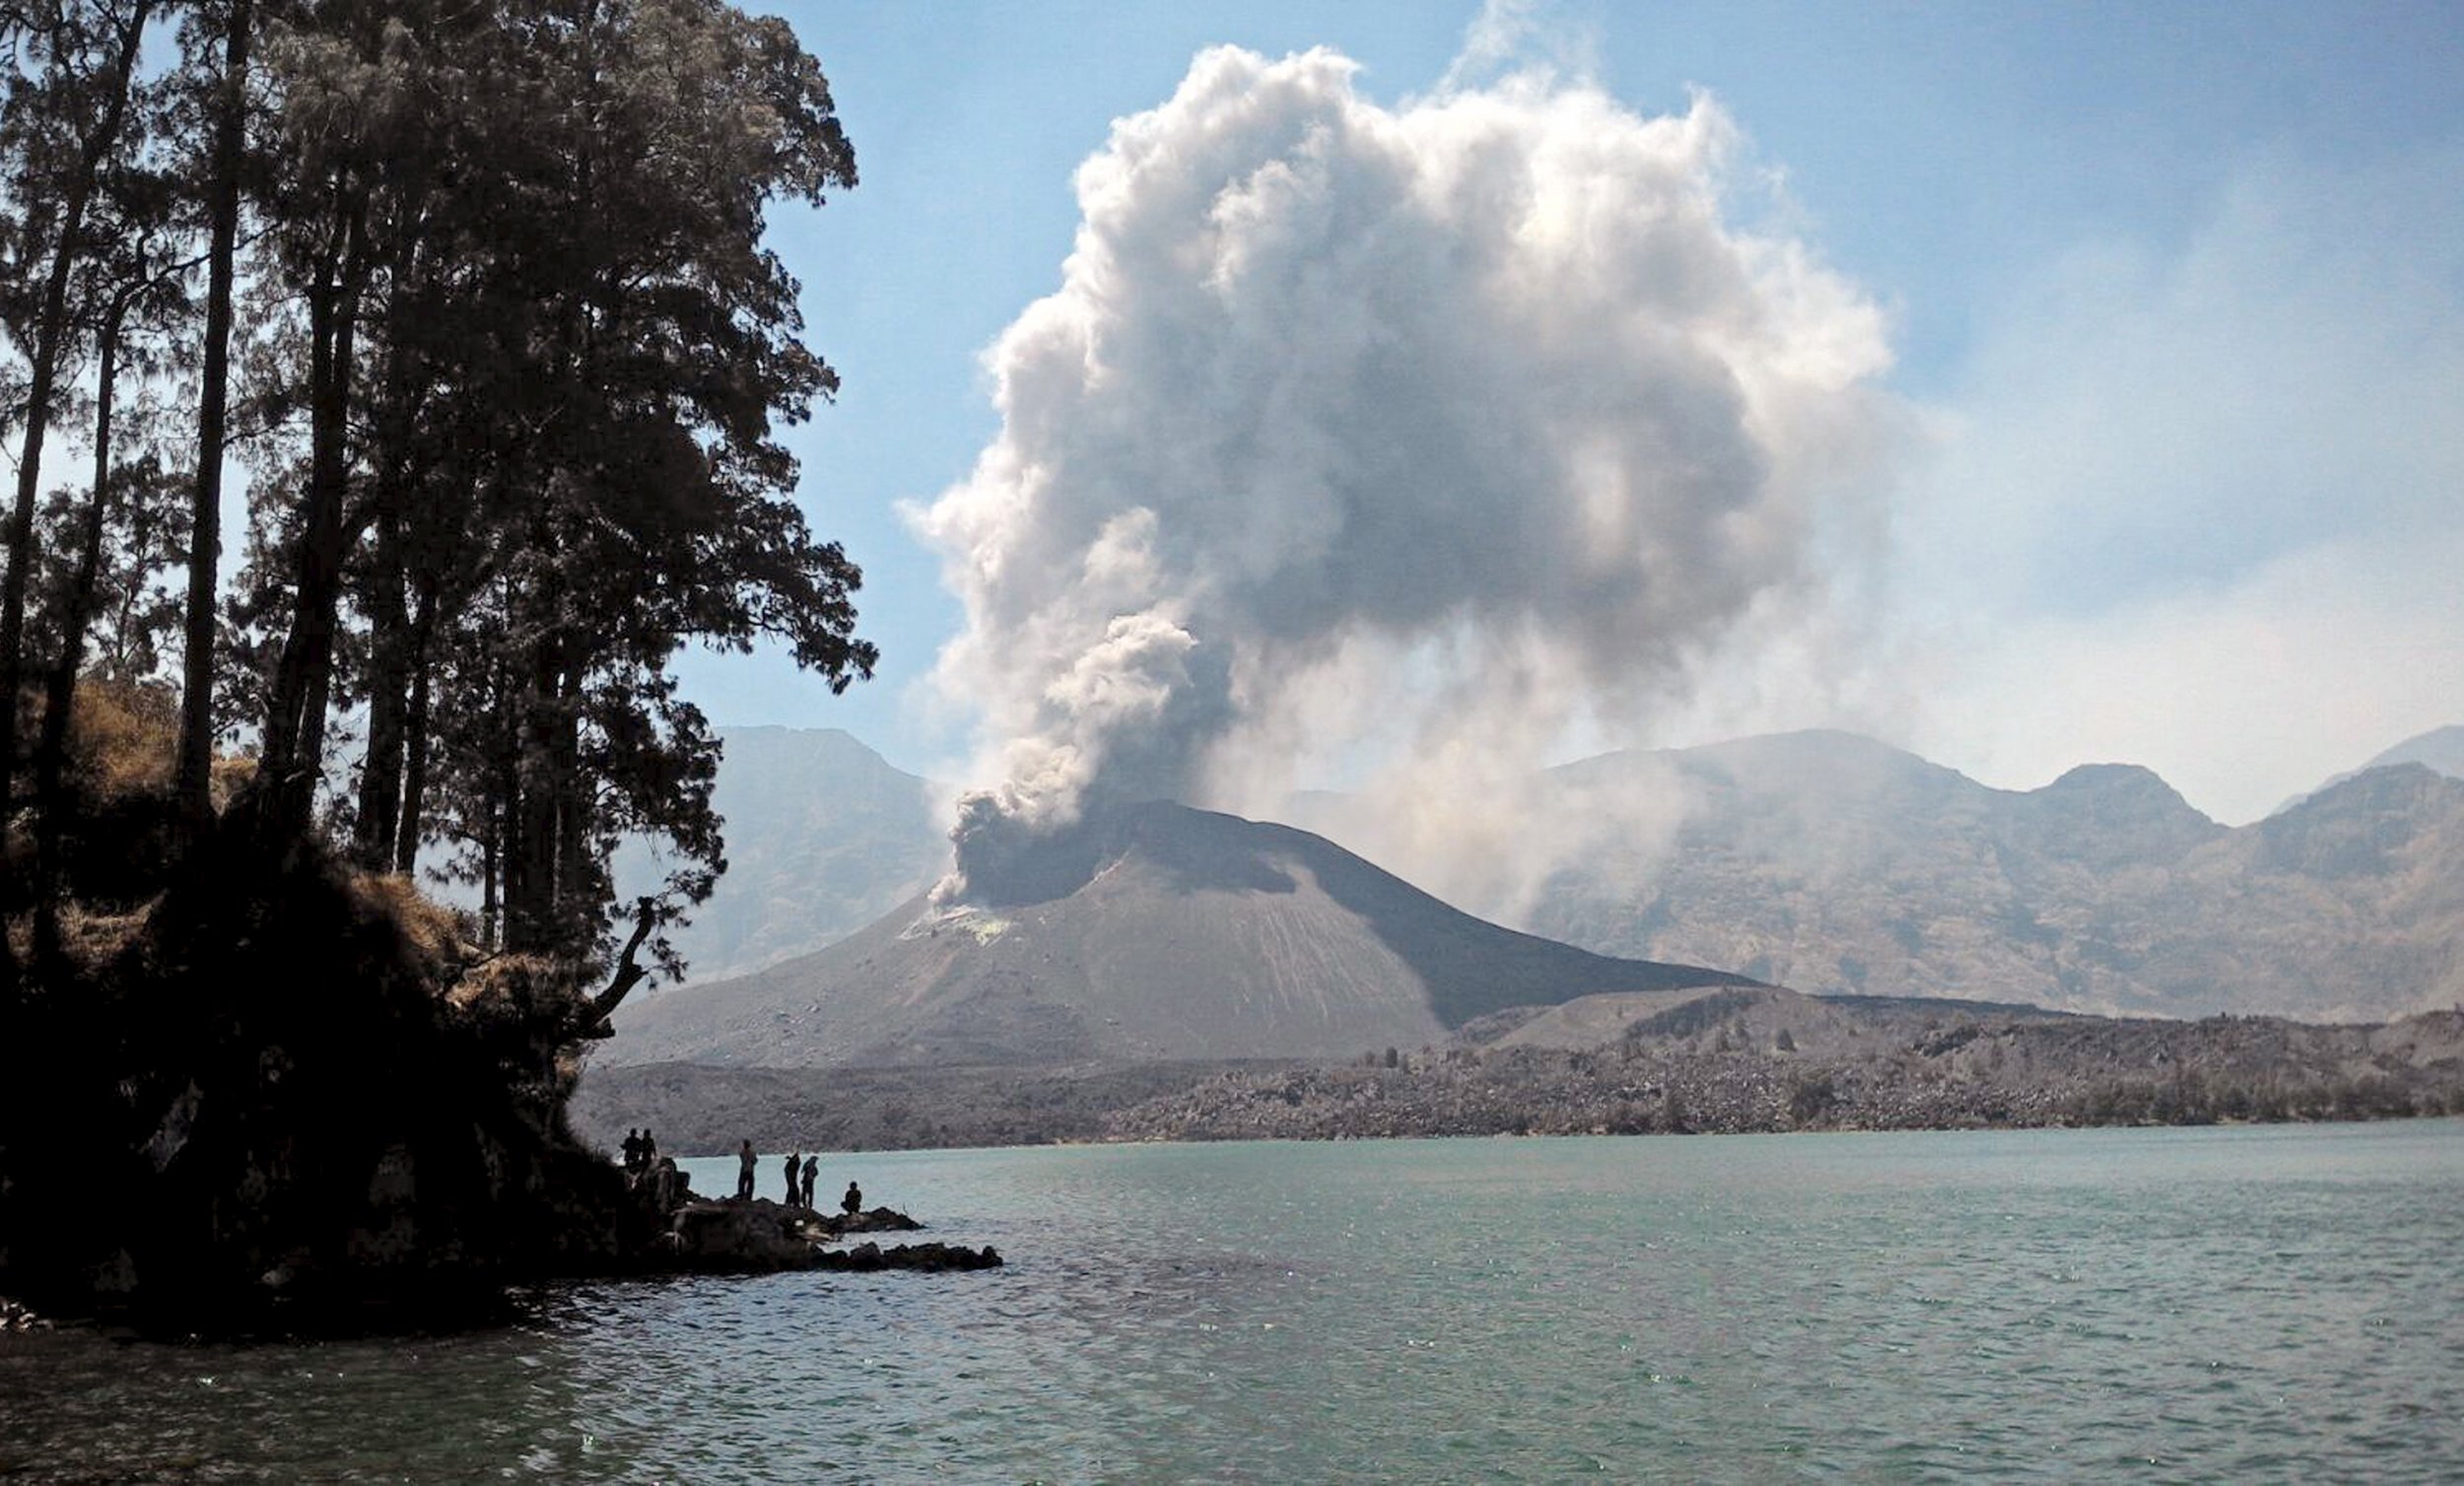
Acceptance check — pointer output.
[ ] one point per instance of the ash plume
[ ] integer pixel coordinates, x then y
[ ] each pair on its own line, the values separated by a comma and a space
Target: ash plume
1401, 443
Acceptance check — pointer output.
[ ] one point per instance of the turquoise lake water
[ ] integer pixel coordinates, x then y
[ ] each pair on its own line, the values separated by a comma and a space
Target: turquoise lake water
2233, 1304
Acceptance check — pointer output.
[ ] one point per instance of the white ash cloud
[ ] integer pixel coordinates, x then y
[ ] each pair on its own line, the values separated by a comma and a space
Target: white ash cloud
1407, 440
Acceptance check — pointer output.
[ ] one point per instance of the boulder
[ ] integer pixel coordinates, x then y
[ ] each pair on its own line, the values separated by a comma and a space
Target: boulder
879, 1220
743, 1237
865, 1257
762, 1237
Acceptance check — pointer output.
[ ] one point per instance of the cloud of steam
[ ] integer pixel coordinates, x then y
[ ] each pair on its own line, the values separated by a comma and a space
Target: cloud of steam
1403, 443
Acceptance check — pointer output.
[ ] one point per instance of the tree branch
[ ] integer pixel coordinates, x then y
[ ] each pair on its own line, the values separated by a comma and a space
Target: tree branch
628, 974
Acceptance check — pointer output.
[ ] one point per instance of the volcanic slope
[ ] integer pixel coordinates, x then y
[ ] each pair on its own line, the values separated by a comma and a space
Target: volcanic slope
1155, 934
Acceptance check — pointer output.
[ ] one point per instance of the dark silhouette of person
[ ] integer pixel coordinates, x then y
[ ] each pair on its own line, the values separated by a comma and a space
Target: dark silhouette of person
649, 1148
812, 1167
854, 1202
795, 1172
744, 1172
632, 1148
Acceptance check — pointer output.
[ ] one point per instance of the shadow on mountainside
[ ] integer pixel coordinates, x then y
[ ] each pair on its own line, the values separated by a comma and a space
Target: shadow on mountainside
1470, 967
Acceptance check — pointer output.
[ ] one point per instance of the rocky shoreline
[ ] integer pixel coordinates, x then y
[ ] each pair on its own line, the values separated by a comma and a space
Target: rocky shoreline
663, 1230
758, 1236
1738, 1062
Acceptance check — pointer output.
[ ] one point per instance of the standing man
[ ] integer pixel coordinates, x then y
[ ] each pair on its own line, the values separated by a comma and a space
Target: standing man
796, 1175
812, 1167
744, 1172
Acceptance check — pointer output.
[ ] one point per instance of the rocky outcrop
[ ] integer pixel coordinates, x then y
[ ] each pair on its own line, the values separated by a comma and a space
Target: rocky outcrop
735, 1237
878, 1220
926, 1257
761, 1237
286, 1095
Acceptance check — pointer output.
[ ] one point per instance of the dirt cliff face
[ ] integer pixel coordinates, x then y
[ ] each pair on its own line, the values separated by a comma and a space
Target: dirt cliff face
281, 1096
1152, 932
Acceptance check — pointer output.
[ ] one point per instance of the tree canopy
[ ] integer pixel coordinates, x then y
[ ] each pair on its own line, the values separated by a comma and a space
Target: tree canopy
479, 297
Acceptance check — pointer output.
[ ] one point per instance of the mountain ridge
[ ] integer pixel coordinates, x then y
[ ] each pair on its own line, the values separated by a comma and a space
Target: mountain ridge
2103, 892
1186, 934
1839, 865
2442, 749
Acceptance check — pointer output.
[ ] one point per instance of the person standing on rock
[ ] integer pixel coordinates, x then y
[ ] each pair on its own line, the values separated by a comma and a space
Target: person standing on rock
812, 1168
795, 1176
853, 1202
632, 1148
744, 1172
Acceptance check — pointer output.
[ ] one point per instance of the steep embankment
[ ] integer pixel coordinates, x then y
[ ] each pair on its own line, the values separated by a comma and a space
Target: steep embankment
272, 1089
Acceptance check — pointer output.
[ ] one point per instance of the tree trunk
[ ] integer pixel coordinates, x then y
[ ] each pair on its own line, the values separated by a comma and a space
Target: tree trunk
576, 899
294, 720
530, 826
43, 371
388, 700
507, 723
408, 828
390, 644
490, 909
205, 518
60, 690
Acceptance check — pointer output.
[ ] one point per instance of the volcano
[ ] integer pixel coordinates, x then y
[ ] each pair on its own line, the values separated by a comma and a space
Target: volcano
1148, 932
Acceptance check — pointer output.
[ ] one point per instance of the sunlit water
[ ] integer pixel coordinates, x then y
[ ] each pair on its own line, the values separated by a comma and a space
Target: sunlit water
2233, 1304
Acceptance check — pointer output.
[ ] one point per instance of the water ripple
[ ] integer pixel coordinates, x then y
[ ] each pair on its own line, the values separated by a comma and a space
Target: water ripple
2041, 1305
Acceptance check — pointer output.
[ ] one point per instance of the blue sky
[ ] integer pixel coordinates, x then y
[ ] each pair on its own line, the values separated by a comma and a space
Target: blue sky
2174, 295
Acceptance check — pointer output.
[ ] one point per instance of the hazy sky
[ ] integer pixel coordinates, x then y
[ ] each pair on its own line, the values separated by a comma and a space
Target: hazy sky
2172, 300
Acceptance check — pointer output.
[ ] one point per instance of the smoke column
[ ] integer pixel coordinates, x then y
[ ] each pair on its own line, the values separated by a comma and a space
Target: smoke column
1401, 441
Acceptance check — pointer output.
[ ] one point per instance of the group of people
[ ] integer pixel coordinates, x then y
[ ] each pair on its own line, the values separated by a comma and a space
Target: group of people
801, 1170
641, 1151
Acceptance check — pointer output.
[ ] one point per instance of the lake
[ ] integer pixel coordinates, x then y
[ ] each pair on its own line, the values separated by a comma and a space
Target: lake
2239, 1304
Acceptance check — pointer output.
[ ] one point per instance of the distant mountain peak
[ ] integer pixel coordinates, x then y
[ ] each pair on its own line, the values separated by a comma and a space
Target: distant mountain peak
2442, 749
2112, 776
2129, 786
